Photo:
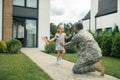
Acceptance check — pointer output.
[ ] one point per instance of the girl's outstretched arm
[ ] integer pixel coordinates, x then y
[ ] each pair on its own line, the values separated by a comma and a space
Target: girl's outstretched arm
53, 39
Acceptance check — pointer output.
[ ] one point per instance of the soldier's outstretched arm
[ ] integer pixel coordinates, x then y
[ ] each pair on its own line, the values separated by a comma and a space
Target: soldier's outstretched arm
73, 42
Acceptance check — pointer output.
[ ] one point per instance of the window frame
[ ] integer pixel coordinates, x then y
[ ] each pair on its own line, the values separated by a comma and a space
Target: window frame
18, 5
99, 30
109, 28
26, 18
29, 6
25, 5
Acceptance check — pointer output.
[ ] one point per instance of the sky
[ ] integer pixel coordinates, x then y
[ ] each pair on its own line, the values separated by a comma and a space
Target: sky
66, 11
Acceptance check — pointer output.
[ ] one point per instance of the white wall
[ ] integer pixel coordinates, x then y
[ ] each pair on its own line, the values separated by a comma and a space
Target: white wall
44, 21
0, 19
108, 21
86, 24
119, 7
94, 10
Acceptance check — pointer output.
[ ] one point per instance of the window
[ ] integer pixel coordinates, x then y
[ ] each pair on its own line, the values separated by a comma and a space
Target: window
99, 30
31, 3
109, 30
25, 3
19, 2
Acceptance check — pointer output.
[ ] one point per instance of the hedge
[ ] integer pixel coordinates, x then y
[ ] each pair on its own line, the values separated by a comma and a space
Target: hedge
50, 48
98, 38
106, 44
116, 46
3, 46
109, 43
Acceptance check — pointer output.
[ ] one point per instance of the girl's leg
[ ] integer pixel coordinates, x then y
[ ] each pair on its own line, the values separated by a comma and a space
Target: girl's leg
58, 54
63, 52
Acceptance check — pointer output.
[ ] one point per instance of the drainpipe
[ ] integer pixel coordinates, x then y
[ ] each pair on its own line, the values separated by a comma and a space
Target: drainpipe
2, 18
95, 24
89, 24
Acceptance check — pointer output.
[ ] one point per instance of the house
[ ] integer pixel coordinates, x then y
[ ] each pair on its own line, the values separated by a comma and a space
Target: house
104, 14
25, 20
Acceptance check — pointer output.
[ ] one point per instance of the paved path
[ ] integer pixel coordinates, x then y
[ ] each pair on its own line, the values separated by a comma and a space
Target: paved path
62, 71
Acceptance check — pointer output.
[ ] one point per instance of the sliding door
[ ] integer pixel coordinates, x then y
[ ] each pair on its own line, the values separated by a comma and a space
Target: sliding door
31, 32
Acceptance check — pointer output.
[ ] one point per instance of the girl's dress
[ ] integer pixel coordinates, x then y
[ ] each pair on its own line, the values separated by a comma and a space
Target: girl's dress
60, 38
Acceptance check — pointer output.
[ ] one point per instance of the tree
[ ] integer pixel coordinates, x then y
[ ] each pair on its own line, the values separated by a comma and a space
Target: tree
116, 29
68, 29
53, 29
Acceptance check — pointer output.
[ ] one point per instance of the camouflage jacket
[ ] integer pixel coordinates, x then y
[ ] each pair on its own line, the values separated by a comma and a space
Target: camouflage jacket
86, 46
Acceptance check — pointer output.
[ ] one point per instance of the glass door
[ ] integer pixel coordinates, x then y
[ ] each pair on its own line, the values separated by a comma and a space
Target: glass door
25, 30
31, 33
18, 30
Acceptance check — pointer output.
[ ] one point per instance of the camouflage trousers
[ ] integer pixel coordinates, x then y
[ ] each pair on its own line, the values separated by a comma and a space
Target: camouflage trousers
83, 66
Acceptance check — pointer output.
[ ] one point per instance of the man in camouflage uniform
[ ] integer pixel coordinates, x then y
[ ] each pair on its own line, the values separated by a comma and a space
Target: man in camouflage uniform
89, 53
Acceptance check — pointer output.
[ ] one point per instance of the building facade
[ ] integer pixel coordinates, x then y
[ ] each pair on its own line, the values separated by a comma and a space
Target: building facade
25, 20
104, 14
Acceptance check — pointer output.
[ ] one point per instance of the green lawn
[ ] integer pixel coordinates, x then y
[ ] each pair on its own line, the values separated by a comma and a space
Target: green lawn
112, 65
20, 67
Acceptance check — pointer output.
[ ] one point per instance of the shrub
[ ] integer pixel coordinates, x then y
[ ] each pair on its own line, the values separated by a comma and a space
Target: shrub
115, 30
13, 46
51, 36
50, 48
116, 45
71, 50
98, 38
106, 44
3, 46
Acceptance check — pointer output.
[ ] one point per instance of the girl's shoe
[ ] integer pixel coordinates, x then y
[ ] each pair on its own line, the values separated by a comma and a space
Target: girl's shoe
57, 62
60, 59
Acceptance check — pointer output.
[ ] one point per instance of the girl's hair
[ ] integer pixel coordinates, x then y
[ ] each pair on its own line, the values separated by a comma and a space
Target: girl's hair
59, 26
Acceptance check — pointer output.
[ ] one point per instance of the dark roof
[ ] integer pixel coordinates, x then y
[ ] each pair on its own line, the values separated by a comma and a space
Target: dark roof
87, 16
106, 7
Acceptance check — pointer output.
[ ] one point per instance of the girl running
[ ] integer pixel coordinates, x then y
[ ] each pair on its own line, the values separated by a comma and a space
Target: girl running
60, 39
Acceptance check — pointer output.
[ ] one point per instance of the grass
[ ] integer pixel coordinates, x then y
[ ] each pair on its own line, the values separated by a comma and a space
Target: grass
112, 65
20, 67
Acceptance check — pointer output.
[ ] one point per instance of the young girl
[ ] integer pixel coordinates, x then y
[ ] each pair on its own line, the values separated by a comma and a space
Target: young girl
60, 39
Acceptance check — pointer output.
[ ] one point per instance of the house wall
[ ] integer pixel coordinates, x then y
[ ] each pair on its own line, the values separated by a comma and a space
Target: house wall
44, 21
94, 10
86, 24
108, 20
7, 20
103, 21
1, 19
